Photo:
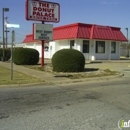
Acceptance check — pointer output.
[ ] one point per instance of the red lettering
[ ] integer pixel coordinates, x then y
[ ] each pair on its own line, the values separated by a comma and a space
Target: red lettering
52, 10
40, 4
44, 5
49, 15
47, 5
34, 12
44, 18
38, 14
46, 14
39, 9
49, 10
43, 9
53, 16
34, 8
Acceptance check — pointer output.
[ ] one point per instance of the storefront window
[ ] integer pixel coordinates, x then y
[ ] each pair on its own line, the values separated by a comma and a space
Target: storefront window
100, 47
113, 47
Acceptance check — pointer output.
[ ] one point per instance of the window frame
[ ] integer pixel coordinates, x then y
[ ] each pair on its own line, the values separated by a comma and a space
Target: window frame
86, 42
97, 46
72, 44
113, 52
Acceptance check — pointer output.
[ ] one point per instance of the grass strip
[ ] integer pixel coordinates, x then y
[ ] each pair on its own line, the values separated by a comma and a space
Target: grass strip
18, 78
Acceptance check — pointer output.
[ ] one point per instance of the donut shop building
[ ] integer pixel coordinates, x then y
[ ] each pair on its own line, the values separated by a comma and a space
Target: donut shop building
96, 42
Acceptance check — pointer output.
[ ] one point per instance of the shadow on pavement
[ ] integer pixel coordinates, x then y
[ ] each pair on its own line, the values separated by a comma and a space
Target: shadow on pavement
90, 69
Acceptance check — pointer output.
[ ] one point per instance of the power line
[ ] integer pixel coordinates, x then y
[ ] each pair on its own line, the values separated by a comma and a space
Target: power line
18, 37
20, 34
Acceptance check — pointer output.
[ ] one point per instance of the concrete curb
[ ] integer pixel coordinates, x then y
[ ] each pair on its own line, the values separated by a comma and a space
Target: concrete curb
25, 85
67, 81
100, 62
88, 79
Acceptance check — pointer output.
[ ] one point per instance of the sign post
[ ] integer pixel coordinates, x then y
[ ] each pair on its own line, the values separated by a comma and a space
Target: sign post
43, 11
43, 32
42, 60
13, 39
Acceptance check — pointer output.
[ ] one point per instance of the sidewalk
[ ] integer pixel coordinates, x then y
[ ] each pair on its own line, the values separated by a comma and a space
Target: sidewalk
50, 77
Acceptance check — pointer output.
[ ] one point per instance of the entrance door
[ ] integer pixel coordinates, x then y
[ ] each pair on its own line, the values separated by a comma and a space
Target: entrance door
72, 44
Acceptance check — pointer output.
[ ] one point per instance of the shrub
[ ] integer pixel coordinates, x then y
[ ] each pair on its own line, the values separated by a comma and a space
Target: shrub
1, 52
7, 53
25, 56
68, 60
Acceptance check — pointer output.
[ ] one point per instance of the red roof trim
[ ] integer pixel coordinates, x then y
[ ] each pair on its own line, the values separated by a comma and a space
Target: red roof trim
91, 35
29, 39
84, 31
72, 25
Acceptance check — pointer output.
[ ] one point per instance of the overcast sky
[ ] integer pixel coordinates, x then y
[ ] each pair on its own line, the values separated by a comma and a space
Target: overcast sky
102, 12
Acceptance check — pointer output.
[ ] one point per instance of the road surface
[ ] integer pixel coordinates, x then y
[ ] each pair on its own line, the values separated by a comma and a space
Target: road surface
95, 105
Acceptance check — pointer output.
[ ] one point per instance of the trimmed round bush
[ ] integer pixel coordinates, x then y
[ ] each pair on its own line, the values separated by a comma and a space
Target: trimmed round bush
25, 56
68, 60
7, 53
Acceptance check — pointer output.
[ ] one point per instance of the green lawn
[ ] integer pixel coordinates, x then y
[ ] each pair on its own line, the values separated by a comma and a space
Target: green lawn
18, 78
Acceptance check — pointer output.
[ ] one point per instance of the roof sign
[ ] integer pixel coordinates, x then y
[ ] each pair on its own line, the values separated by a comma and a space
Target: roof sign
42, 11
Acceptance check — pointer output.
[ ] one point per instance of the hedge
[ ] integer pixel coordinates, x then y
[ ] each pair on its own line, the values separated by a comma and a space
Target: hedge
7, 54
68, 60
25, 56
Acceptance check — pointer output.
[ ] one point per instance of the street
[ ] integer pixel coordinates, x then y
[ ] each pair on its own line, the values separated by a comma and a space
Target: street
95, 105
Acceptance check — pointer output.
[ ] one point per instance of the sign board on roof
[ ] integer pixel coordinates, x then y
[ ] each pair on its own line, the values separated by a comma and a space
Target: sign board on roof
43, 32
42, 11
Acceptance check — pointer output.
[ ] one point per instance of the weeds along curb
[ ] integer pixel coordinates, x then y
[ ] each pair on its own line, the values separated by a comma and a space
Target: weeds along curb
61, 82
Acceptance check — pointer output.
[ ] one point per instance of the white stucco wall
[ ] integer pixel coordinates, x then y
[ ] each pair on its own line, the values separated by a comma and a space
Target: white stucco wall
38, 48
117, 54
64, 44
34, 46
107, 55
54, 46
52, 49
78, 44
29, 45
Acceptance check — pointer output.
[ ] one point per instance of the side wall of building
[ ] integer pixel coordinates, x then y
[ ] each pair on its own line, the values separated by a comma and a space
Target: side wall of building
54, 46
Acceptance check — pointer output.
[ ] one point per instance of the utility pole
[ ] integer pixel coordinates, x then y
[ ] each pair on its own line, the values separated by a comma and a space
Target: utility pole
6, 32
3, 35
3, 10
127, 43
